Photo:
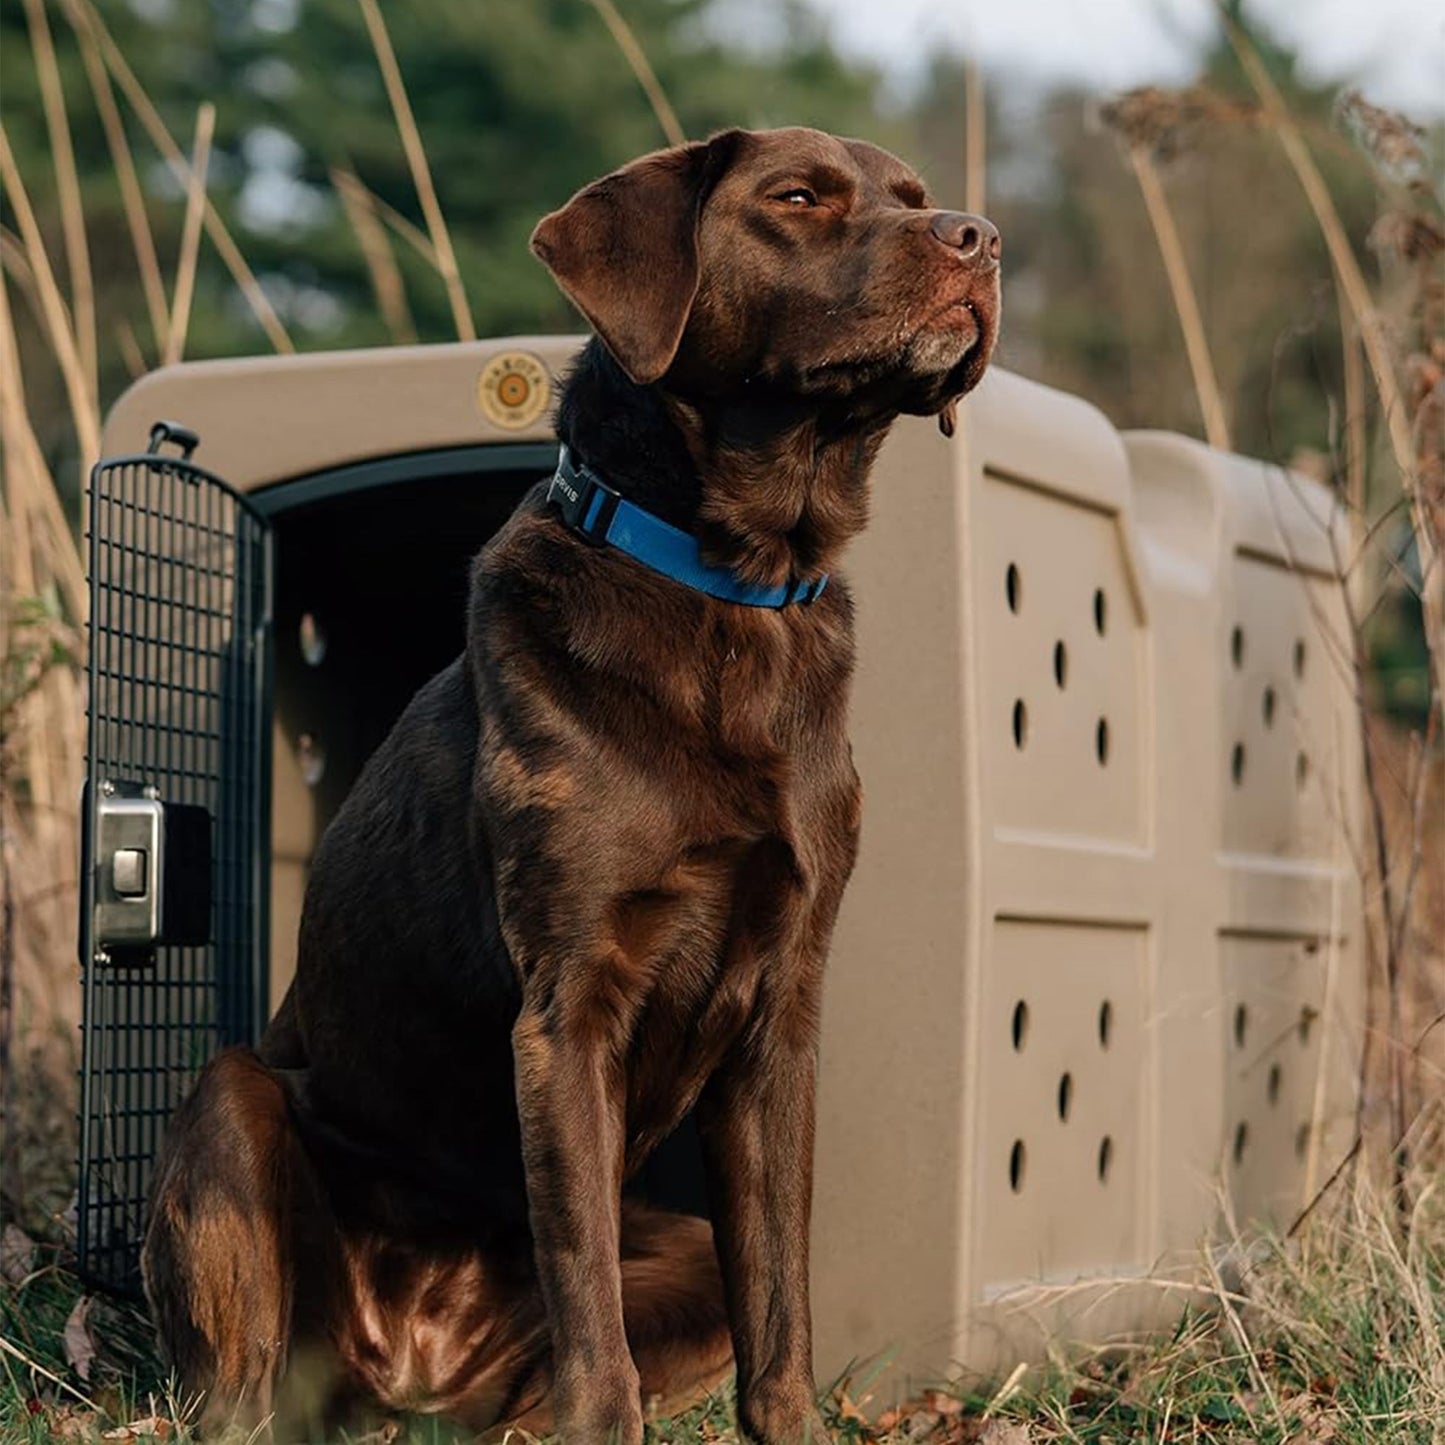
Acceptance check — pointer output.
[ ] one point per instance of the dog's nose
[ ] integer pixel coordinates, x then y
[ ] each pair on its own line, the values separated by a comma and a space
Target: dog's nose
974, 238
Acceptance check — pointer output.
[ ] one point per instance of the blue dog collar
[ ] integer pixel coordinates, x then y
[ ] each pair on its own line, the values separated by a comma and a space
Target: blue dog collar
607, 519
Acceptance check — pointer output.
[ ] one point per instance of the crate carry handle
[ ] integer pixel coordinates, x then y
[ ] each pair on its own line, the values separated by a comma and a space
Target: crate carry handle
172, 431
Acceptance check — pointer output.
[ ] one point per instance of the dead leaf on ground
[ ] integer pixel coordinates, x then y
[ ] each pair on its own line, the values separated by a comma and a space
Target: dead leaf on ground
921, 1424
944, 1404
1313, 1427
1006, 1432
847, 1410
73, 1422
17, 1254
152, 1427
79, 1347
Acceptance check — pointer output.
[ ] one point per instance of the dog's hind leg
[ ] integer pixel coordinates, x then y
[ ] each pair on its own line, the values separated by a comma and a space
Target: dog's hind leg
673, 1306
233, 1259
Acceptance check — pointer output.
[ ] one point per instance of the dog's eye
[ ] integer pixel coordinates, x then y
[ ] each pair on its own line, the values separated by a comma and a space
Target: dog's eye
797, 196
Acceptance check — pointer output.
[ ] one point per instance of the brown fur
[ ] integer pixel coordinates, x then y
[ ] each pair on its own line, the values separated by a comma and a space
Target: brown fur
587, 885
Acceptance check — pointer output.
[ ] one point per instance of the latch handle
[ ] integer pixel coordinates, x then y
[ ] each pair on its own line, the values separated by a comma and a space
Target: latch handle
150, 873
172, 431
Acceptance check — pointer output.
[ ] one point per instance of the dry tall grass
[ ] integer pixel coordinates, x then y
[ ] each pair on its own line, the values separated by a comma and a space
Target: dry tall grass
42, 609
42, 613
42, 583
1402, 858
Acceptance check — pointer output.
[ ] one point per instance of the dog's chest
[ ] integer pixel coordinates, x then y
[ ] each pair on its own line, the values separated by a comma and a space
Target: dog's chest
765, 691
729, 934
719, 947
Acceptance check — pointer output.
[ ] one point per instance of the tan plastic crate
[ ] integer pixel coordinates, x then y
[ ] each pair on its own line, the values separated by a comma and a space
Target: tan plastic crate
1102, 948
1081, 966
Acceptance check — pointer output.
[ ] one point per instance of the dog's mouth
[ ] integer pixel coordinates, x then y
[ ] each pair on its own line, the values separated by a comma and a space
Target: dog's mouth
951, 312
937, 351
965, 304
950, 333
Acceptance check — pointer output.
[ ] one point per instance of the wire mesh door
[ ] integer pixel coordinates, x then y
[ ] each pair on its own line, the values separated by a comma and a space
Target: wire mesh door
174, 912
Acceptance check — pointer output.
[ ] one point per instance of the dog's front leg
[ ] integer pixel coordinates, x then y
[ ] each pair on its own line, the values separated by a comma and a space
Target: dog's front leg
571, 1096
757, 1127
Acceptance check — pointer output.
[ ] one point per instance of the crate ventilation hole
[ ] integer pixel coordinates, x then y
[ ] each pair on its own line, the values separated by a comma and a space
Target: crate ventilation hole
1018, 1152
1013, 594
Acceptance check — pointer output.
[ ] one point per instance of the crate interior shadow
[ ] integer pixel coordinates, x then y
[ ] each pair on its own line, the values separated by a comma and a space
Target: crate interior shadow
371, 594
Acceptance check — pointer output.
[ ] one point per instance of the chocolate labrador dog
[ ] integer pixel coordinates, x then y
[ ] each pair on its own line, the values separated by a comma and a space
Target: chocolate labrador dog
587, 884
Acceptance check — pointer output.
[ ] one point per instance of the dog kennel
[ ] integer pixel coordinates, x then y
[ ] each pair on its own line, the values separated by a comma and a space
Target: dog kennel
1102, 947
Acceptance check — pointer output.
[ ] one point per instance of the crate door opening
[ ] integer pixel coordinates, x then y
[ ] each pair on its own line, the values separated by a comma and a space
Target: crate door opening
371, 593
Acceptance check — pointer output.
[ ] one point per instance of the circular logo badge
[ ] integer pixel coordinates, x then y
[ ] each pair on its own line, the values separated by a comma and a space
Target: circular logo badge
513, 389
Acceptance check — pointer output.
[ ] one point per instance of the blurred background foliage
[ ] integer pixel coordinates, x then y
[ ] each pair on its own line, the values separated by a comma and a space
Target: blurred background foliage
518, 102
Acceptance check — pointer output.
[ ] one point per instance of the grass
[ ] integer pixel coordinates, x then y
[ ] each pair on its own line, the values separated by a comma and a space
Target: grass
1334, 1338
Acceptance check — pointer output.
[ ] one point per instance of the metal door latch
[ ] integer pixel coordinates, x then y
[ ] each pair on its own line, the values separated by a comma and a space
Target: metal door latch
151, 872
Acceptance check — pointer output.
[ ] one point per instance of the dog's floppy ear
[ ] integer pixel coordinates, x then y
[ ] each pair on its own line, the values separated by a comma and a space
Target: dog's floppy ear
624, 249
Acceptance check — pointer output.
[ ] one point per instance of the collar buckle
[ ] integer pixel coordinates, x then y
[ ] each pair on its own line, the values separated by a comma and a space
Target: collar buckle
799, 591
588, 507
586, 502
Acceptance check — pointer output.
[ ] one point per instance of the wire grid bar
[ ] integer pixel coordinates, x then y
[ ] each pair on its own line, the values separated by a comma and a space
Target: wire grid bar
180, 585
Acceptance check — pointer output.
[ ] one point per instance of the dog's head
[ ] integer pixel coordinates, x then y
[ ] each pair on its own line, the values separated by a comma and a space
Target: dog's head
790, 259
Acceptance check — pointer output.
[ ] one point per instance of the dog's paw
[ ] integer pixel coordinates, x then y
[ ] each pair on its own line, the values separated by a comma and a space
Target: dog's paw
599, 1408
782, 1414
592, 1426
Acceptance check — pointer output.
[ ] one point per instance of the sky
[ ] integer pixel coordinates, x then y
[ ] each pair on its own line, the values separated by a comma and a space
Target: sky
1394, 48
